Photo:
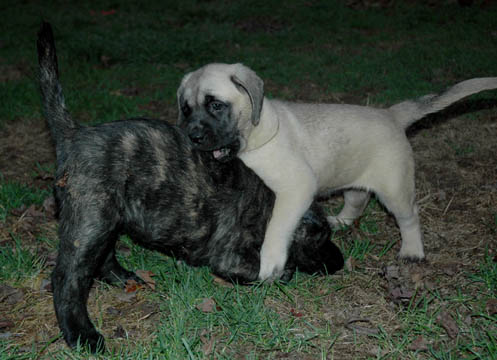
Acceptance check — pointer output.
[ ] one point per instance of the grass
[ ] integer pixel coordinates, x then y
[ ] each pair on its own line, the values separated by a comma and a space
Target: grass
18, 263
13, 195
337, 48
121, 59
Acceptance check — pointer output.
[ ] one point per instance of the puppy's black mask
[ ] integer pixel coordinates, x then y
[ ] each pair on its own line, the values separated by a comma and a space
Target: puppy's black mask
210, 127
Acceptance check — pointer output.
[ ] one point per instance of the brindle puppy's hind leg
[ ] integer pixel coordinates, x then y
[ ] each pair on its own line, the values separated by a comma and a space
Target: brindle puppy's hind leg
84, 243
113, 273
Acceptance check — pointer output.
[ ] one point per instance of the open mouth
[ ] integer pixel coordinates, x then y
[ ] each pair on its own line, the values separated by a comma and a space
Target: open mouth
222, 153
227, 152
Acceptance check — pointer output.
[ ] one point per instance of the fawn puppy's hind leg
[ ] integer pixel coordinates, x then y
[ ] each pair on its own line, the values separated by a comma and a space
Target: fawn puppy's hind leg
355, 203
400, 201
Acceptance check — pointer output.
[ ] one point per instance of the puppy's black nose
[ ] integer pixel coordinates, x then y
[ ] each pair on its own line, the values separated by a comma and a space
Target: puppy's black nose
197, 136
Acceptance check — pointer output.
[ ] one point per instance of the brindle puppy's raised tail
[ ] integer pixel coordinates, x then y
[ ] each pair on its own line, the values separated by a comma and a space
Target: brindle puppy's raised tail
59, 120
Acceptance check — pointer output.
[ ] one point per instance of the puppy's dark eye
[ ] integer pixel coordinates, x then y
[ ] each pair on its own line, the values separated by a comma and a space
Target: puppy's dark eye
216, 106
186, 109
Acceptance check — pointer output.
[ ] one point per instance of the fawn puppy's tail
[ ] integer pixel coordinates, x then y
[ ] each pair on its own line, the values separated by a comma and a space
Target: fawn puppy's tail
410, 111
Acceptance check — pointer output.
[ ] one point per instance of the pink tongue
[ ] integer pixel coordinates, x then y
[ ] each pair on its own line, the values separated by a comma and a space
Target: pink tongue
217, 154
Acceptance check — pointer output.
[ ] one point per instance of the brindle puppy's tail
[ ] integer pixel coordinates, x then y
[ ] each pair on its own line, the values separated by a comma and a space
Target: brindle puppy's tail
60, 123
410, 111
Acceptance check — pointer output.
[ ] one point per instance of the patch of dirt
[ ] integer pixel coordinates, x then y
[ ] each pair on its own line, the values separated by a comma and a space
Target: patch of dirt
457, 186
30, 320
27, 153
10, 73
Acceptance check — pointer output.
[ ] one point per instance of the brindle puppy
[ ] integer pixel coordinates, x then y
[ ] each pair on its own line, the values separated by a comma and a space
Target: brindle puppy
142, 178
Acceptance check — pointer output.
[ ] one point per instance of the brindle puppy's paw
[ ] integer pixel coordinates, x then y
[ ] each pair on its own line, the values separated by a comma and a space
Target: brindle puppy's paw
89, 339
287, 275
120, 279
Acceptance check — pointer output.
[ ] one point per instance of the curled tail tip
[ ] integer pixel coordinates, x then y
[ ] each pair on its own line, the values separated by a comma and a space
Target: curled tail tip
410, 111
47, 56
45, 34
45, 28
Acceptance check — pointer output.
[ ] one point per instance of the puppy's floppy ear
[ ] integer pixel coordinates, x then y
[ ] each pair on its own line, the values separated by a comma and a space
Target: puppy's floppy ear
179, 95
247, 80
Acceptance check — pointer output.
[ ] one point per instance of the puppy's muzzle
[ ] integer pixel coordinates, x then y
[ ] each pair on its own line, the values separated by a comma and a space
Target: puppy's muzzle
198, 135
203, 138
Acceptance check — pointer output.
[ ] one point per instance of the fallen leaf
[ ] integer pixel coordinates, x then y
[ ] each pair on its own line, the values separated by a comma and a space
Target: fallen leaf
221, 282
352, 325
417, 276
207, 305
146, 276
391, 272
378, 352
446, 321
451, 269
400, 294
119, 332
10, 295
207, 344
5, 290
108, 12
132, 286
49, 207
126, 296
491, 307
430, 285
6, 324
419, 344
147, 309
295, 313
